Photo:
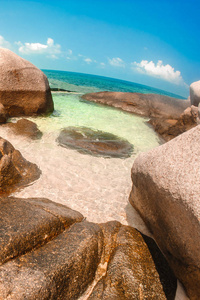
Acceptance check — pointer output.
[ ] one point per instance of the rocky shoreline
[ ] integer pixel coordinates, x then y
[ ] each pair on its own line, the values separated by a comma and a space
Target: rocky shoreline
168, 116
50, 251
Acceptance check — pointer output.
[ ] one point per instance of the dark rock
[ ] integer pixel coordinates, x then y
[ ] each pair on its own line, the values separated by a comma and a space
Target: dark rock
49, 252
131, 268
24, 89
169, 129
3, 114
15, 170
94, 142
25, 127
30, 223
61, 90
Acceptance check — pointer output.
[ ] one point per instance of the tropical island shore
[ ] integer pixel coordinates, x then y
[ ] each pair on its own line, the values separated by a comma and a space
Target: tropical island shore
50, 250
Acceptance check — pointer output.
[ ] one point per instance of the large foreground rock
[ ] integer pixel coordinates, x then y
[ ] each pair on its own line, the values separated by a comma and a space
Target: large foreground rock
15, 170
195, 93
24, 89
166, 191
49, 251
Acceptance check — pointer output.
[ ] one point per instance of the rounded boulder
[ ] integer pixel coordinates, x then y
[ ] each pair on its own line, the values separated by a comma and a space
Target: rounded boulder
195, 93
24, 89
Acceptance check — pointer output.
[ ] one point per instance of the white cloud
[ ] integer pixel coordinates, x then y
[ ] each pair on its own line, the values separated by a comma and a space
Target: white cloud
88, 60
165, 72
4, 43
102, 64
51, 49
116, 62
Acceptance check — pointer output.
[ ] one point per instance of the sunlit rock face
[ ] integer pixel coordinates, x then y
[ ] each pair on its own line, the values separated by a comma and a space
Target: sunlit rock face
94, 142
24, 89
166, 194
195, 93
48, 251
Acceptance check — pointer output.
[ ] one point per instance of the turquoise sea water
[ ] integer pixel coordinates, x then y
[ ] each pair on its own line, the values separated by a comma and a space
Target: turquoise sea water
71, 110
85, 83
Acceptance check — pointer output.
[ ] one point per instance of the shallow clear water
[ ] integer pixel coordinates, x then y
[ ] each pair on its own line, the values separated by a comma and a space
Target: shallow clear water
70, 110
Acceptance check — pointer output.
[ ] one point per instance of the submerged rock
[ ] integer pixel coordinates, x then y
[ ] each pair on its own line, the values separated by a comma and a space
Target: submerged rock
166, 194
15, 170
24, 89
94, 142
49, 251
25, 127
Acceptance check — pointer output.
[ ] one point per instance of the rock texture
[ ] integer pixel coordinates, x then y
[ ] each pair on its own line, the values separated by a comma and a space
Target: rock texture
170, 128
49, 251
26, 128
94, 142
195, 93
3, 114
166, 194
147, 105
15, 170
166, 114
24, 89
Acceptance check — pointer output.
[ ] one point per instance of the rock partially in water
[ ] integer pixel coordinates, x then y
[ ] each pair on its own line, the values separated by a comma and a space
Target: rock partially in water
147, 105
25, 127
169, 116
15, 170
49, 251
169, 128
94, 142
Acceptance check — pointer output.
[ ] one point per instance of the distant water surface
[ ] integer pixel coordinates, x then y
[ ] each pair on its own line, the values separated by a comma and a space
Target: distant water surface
85, 83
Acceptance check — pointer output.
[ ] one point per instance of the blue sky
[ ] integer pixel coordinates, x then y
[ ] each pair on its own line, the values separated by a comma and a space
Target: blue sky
156, 43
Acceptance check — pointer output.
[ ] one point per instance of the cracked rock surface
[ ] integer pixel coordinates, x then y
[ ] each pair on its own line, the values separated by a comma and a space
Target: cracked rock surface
49, 251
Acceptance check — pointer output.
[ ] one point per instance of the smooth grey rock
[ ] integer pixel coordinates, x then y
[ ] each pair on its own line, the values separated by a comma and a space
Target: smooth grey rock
195, 93
166, 191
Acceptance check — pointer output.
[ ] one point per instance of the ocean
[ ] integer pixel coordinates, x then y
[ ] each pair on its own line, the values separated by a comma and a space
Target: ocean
86, 83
